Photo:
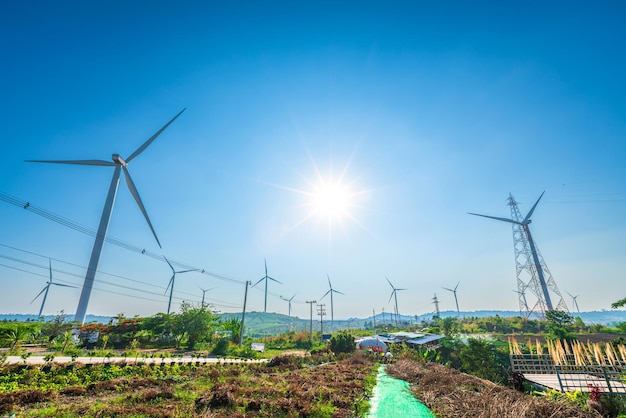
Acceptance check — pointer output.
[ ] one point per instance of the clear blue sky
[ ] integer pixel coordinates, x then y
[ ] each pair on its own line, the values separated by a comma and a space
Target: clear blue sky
424, 110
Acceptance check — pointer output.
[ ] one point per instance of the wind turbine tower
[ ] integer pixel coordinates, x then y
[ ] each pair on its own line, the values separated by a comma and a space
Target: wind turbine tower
120, 165
331, 291
394, 294
458, 312
170, 285
266, 277
46, 288
532, 271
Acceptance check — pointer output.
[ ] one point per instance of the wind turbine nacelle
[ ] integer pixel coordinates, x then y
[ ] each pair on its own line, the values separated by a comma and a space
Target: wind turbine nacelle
118, 159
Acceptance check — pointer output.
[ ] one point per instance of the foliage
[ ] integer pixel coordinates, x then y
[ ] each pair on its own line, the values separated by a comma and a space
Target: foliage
196, 323
480, 358
619, 303
234, 326
558, 322
342, 342
220, 348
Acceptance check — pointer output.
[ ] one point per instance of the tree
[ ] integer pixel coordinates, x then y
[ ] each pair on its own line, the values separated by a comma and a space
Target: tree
480, 358
234, 326
557, 325
195, 323
342, 342
619, 303
450, 326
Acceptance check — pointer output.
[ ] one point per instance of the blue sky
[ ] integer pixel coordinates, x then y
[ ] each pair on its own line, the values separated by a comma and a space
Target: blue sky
425, 111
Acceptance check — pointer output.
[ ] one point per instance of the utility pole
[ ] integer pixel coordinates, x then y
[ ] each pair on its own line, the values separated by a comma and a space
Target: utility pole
321, 312
311, 327
243, 314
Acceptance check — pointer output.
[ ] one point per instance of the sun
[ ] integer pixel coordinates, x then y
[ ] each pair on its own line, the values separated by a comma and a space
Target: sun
331, 199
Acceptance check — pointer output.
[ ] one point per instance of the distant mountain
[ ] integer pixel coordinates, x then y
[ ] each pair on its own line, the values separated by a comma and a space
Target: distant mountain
260, 324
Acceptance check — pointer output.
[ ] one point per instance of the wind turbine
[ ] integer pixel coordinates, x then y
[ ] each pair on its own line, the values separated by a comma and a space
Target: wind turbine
265, 278
458, 312
203, 293
120, 164
170, 285
436, 302
523, 296
537, 264
394, 294
46, 288
331, 291
289, 300
575, 301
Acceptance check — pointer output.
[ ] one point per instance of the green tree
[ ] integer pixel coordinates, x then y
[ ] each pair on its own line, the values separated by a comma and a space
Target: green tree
342, 342
619, 303
195, 323
234, 326
481, 358
450, 326
558, 322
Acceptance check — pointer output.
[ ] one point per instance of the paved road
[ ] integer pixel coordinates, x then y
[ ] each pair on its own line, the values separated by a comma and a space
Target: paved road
39, 360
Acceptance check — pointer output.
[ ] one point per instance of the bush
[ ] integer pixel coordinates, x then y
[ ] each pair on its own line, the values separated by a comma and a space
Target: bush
220, 348
342, 342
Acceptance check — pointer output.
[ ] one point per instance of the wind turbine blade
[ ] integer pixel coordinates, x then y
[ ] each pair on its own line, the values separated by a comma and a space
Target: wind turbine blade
39, 294
325, 295
187, 271
457, 285
448, 289
394, 291
79, 162
530, 213
260, 280
152, 138
169, 284
329, 284
265, 260
170, 264
64, 285
389, 283
271, 278
496, 218
337, 291
133, 191
294, 295
400, 289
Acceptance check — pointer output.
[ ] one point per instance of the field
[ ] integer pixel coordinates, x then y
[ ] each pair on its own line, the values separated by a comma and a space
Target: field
283, 387
452, 394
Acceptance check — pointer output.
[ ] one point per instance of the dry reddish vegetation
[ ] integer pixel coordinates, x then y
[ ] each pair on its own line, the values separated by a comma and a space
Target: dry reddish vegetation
450, 393
282, 388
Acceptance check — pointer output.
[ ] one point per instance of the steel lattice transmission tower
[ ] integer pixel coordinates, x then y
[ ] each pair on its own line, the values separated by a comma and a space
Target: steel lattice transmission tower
540, 283
531, 269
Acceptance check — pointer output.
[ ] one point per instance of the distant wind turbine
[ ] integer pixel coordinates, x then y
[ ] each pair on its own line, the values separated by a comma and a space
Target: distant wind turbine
575, 301
458, 312
289, 300
266, 277
46, 288
394, 294
203, 293
331, 291
170, 285
120, 165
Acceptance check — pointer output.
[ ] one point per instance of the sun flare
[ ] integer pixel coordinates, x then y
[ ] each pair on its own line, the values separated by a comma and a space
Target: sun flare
331, 200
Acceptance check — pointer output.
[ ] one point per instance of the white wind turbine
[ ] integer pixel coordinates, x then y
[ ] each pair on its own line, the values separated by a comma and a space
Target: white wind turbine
266, 277
394, 294
46, 288
203, 293
170, 285
575, 301
120, 165
289, 300
458, 312
331, 291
